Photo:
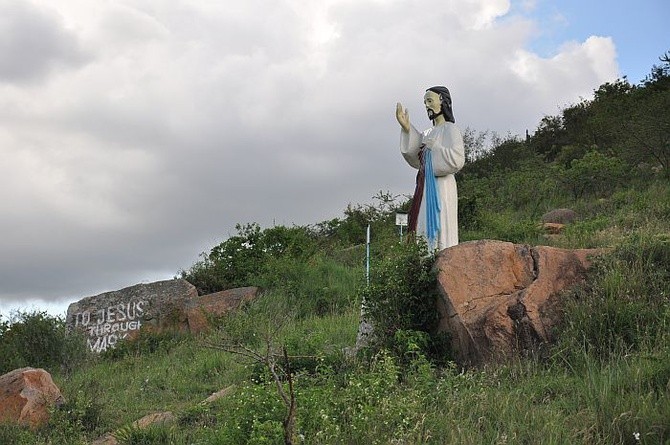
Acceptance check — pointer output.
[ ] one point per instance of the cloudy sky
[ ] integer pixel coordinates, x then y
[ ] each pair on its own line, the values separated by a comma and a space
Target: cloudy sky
135, 134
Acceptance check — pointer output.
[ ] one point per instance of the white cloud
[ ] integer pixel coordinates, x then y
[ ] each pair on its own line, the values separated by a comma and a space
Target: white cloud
185, 118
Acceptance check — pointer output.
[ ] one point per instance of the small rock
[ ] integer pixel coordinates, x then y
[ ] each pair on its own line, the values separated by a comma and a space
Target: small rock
154, 419
225, 392
553, 228
150, 419
27, 395
560, 216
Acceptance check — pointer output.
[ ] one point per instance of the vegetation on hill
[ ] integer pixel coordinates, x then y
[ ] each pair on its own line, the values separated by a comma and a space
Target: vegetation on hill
605, 381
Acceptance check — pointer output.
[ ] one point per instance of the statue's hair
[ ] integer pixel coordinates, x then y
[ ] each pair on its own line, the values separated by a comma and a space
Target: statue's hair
445, 101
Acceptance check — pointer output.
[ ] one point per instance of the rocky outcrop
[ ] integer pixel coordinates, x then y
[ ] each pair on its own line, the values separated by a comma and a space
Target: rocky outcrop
498, 298
171, 305
112, 316
27, 396
201, 309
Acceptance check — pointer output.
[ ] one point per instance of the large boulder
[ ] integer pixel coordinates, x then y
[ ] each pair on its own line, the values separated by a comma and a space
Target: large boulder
498, 298
109, 317
27, 396
201, 309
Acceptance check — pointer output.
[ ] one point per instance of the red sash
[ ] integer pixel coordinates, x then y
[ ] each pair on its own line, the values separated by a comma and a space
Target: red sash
418, 194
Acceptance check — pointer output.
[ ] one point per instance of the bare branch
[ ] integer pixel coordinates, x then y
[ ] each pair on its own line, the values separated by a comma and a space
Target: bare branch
289, 422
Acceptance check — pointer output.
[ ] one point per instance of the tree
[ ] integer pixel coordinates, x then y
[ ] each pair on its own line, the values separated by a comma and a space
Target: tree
647, 137
595, 173
476, 146
549, 137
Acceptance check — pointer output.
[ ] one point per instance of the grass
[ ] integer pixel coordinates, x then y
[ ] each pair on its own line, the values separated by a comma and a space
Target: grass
606, 381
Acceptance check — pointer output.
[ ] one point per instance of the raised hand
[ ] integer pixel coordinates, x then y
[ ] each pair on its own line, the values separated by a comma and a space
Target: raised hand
403, 117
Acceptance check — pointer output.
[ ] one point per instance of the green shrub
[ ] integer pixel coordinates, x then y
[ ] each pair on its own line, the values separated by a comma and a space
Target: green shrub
252, 412
400, 299
237, 261
256, 256
378, 402
595, 174
352, 229
470, 211
39, 340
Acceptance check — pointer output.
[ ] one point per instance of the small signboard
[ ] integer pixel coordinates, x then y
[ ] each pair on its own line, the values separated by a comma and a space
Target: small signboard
401, 219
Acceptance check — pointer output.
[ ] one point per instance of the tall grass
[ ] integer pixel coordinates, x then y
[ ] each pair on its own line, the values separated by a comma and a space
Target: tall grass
624, 307
606, 381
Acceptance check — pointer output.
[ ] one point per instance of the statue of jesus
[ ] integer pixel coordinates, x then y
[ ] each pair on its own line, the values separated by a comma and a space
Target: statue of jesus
438, 153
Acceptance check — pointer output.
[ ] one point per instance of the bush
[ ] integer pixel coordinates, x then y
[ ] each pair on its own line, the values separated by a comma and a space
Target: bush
594, 174
400, 300
237, 261
39, 340
254, 256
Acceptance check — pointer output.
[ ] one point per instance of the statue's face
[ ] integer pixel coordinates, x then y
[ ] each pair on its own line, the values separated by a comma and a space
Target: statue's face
433, 104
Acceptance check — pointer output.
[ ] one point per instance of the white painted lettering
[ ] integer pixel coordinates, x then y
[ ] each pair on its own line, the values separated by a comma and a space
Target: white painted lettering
112, 324
82, 318
139, 309
121, 312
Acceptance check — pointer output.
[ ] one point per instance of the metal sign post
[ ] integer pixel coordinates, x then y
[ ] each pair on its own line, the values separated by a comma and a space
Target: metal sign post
401, 220
367, 256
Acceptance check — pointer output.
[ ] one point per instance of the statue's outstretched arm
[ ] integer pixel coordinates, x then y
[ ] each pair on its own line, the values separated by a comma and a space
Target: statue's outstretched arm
403, 117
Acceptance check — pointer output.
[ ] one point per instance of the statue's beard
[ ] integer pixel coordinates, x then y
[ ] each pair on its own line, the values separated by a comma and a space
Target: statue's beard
432, 115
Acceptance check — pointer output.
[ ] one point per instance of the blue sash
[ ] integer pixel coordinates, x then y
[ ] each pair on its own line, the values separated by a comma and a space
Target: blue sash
432, 197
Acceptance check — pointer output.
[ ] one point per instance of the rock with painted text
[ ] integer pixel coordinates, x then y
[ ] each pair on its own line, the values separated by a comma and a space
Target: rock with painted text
107, 318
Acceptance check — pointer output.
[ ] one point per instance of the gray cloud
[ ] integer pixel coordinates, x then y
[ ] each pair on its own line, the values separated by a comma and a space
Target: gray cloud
191, 117
33, 41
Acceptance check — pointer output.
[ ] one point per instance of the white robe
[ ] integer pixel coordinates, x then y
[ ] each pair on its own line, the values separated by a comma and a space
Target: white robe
446, 143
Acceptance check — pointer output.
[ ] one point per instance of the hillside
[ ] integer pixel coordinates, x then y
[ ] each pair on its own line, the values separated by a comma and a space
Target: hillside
605, 381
